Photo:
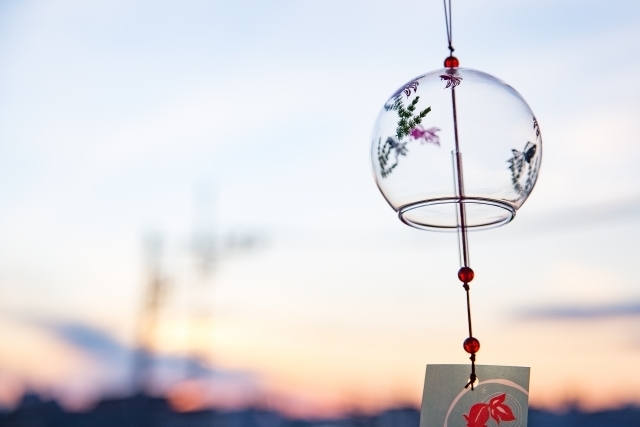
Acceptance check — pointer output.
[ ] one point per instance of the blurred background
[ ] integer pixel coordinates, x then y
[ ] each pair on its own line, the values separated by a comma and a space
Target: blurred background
187, 211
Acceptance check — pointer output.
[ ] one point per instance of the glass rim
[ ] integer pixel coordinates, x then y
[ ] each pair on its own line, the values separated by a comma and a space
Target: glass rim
482, 225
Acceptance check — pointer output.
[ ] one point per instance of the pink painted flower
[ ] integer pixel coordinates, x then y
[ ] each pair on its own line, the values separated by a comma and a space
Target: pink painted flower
426, 135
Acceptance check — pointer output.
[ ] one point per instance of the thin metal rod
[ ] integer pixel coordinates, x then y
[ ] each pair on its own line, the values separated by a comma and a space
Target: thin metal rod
454, 168
463, 219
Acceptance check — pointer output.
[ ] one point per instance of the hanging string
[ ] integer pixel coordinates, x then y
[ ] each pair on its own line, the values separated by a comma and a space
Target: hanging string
447, 22
471, 344
465, 274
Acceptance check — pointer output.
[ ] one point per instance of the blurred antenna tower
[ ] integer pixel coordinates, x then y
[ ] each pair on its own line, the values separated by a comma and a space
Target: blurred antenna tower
154, 296
208, 250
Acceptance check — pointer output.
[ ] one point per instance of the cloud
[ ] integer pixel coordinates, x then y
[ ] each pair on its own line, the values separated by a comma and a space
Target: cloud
595, 213
88, 339
111, 372
577, 312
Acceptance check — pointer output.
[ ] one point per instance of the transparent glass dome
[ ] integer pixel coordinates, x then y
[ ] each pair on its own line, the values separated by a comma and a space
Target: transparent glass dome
416, 163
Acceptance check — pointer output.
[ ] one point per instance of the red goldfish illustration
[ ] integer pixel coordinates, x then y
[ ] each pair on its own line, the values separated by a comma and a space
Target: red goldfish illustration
480, 413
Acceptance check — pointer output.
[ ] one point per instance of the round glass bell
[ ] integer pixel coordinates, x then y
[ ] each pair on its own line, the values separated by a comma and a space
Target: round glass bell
456, 136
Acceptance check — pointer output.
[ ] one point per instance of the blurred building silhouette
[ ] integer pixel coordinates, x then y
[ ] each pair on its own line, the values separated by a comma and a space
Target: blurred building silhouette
145, 411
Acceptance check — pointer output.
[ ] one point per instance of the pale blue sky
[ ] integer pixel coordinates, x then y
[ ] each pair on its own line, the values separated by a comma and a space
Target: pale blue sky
113, 113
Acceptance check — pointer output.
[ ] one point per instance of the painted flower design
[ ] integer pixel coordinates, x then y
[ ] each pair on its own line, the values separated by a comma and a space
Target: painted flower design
426, 135
536, 127
413, 85
452, 81
480, 413
409, 119
406, 89
521, 161
390, 146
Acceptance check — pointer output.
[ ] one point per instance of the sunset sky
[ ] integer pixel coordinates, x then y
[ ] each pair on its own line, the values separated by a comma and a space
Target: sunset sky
124, 119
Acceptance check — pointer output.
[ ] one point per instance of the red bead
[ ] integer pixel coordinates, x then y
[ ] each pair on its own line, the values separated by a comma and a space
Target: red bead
451, 62
465, 274
471, 345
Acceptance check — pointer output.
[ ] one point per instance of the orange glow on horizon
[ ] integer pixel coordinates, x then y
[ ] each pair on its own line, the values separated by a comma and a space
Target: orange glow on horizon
188, 396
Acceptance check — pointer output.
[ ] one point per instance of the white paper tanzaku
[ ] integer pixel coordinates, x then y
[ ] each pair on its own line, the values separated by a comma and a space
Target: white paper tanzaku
500, 397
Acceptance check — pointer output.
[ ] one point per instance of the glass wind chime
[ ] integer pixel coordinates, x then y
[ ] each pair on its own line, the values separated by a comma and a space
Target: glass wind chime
458, 149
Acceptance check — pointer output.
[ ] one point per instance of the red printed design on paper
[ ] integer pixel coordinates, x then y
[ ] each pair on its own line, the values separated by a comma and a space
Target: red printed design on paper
480, 413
